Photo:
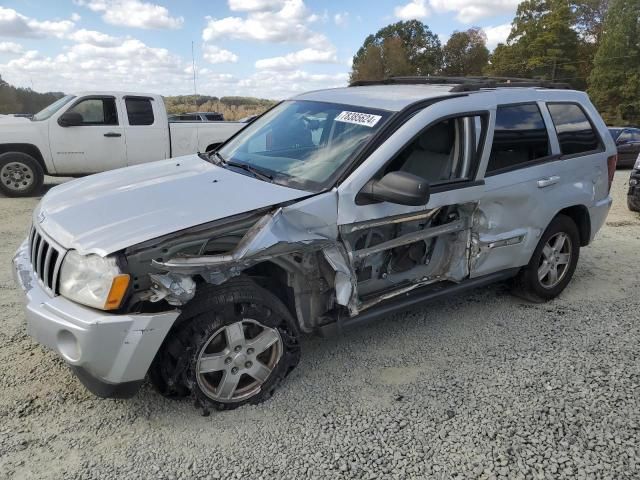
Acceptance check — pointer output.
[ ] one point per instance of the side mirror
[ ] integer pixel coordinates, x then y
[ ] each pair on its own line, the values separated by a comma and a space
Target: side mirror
402, 188
70, 119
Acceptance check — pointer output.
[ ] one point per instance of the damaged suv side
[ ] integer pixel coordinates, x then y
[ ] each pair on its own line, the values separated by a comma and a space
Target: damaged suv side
333, 208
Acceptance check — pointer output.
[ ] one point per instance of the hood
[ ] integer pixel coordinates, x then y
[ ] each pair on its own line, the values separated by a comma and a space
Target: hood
11, 120
110, 211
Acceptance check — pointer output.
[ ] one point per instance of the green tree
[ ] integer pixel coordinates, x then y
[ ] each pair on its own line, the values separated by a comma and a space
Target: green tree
466, 53
614, 84
542, 43
420, 50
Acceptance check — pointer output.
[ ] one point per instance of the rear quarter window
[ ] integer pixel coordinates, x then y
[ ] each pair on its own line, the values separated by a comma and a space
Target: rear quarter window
575, 132
520, 137
139, 111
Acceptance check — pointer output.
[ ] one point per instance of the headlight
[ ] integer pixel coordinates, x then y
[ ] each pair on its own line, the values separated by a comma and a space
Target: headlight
93, 280
637, 165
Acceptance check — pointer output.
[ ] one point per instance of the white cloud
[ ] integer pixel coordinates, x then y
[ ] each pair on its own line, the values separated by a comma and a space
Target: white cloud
130, 65
276, 85
213, 54
11, 47
133, 13
92, 37
415, 9
469, 11
497, 34
295, 59
285, 21
254, 5
14, 24
75, 17
341, 19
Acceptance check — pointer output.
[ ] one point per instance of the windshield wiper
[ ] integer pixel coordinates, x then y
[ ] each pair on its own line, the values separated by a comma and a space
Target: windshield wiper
255, 171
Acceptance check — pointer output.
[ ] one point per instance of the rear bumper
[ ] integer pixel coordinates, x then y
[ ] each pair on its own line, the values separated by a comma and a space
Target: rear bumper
598, 213
109, 353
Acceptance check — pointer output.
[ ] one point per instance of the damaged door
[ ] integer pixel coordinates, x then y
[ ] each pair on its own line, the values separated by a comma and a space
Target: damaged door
394, 248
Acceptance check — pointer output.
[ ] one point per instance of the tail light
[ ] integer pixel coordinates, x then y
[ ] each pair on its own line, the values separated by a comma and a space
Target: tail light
611, 167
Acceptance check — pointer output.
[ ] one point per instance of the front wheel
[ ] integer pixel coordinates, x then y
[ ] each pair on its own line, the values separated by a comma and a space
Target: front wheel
553, 261
20, 174
236, 348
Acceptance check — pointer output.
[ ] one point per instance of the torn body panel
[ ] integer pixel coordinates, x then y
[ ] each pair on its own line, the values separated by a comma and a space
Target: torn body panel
328, 268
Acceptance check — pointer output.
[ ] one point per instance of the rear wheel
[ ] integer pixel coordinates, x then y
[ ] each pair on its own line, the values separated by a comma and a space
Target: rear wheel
633, 202
236, 345
552, 263
20, 174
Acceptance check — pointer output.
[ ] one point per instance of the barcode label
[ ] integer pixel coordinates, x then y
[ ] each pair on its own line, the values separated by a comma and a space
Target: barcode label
366, 119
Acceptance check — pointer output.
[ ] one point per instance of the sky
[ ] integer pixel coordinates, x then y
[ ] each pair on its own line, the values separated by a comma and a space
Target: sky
263, 48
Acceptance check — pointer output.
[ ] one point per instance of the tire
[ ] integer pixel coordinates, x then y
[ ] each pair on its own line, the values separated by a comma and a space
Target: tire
204, 354
20, 175
530, 283
633, 202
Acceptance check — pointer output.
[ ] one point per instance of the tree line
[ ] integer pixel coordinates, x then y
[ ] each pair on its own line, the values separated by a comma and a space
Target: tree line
592, 45
24, 100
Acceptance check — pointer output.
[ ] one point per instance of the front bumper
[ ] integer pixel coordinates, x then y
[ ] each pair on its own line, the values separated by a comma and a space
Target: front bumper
109, 353
633, 194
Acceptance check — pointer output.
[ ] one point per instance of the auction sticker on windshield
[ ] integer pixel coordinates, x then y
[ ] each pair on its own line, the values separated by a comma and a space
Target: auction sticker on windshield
366, 119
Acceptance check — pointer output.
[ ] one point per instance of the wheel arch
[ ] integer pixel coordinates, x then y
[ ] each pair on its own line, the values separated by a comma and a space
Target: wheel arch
580, 215
27, 148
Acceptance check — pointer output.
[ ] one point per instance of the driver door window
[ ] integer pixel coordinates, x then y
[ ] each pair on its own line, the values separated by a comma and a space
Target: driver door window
97, 111
444, 152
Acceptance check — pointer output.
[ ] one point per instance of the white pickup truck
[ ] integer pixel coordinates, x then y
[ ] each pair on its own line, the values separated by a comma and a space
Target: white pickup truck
97, 131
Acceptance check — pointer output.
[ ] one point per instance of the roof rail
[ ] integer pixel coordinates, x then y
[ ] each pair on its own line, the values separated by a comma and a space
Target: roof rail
465, 84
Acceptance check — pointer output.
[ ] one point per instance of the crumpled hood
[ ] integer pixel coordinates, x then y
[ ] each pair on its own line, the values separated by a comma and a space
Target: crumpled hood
110, 211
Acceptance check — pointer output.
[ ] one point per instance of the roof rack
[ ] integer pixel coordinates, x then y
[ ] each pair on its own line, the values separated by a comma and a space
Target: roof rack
465, 84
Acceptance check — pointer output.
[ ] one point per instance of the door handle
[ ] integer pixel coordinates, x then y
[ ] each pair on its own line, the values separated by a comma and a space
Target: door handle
547, 181
112, 134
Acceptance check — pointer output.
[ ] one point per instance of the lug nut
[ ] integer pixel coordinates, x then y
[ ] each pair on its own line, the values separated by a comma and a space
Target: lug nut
227, 360
238, 348
234, 370
248, 364
250, 351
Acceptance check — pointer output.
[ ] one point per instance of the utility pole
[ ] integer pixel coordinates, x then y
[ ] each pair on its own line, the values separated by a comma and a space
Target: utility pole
193, 65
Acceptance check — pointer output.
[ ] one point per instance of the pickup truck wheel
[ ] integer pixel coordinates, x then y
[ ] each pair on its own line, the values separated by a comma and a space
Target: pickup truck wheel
633, 202
20, 174
553, 262
236, 348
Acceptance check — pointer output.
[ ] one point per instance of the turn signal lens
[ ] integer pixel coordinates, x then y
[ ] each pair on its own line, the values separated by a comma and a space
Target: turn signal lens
118, 289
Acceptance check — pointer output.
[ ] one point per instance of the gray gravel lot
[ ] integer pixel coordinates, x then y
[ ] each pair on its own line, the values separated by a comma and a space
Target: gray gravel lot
483, 386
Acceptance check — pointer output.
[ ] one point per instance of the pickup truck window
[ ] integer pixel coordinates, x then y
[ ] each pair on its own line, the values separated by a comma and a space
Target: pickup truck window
53, 108
139, 111
97, 111
520, 138
303, 144
575, 132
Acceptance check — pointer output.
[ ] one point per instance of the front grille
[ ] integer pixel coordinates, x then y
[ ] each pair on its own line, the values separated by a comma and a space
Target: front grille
46, 259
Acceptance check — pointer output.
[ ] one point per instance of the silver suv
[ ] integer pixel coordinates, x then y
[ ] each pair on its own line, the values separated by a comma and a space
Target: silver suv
333, 208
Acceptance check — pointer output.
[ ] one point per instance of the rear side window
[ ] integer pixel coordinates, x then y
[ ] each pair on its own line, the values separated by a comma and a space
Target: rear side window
520, 137
139, 111
575, 132
214, 117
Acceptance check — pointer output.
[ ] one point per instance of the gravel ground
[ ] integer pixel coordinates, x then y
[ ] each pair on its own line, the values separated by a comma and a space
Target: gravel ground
483, 386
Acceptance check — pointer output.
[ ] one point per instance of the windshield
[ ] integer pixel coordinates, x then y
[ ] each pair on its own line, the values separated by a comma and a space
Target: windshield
615, 132
304, 144
53, 108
